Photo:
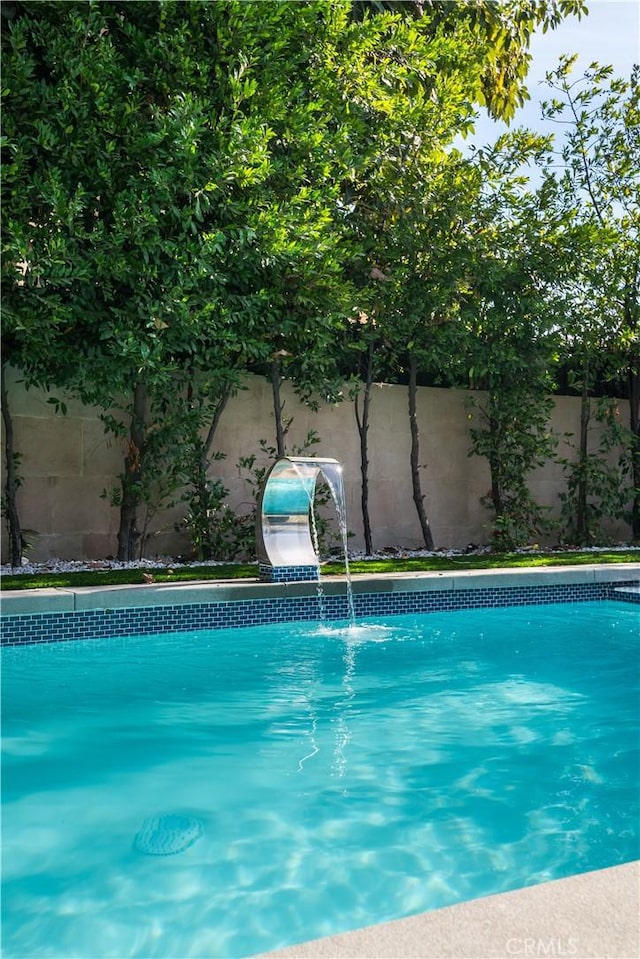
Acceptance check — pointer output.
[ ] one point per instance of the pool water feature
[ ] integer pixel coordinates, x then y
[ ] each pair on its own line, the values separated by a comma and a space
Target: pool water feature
339, 775
286, 533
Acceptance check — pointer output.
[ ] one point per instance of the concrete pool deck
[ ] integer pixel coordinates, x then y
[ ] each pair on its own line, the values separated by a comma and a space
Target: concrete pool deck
588, 916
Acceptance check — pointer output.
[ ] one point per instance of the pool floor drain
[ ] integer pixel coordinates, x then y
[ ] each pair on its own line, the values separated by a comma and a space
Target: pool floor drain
167, 835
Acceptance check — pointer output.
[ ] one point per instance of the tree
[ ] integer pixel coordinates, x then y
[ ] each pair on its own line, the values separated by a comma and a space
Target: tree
599, 181
12, 479
503, 30
365, 353
393, 203
147, 176
430, 277
114, 151
522, 252
289, 57
188, 184
407, 104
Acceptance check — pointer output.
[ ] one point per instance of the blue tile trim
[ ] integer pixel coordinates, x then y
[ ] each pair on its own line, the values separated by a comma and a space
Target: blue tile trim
626, 597
98, 624
287, 574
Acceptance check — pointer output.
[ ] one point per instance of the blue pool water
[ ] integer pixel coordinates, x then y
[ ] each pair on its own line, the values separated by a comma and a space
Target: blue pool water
313, 779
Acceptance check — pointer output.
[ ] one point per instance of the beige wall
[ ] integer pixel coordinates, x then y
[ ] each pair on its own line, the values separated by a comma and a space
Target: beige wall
67, 462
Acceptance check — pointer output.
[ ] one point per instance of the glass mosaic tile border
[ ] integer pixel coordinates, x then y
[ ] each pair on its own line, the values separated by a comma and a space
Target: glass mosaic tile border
287, 574
105, 623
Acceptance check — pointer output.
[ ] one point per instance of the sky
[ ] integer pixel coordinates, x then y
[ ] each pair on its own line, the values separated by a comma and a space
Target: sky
610, 34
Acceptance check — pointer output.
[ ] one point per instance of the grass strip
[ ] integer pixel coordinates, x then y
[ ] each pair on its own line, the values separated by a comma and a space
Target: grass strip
484, 561
127, 577
232, 571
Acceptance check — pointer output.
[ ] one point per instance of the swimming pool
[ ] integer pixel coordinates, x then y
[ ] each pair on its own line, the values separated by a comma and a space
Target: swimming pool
338, 777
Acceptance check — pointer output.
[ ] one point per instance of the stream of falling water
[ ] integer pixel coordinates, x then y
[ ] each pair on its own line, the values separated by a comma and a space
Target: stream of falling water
332, 472
338, 497
314, 539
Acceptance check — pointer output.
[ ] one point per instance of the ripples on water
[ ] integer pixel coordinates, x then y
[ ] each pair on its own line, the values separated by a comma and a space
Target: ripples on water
341, 775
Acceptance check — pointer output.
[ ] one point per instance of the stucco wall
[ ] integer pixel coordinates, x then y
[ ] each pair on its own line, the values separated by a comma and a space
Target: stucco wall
67, 462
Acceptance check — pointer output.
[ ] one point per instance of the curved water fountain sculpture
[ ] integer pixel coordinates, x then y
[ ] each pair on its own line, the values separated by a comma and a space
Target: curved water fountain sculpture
285, 546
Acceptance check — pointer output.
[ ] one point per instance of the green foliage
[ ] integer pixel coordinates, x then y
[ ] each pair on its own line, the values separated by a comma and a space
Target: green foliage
155, 442
599, 186
515, 438
168, 205
511, 309
502, 31
192, 190
608, 482
210, 523
403, 203
114, 149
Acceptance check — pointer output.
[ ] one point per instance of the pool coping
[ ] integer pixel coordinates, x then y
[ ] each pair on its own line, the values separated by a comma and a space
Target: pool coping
84, 598
593, 915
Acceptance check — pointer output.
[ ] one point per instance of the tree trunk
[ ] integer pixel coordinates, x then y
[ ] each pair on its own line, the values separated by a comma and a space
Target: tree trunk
633, 379
582, 520
363, 432
11, 481
201, 490
278, 406
418, 497
632, 322
128, 533
494, 458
